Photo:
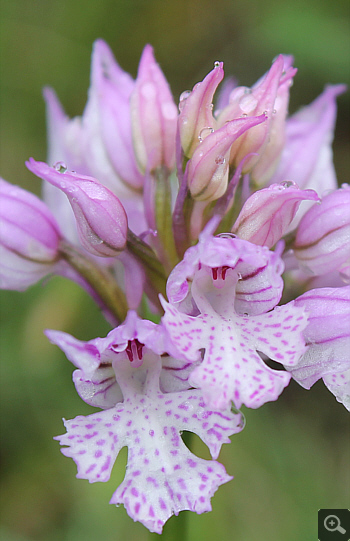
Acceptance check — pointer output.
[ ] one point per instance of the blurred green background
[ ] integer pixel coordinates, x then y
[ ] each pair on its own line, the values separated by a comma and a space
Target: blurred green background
293, 456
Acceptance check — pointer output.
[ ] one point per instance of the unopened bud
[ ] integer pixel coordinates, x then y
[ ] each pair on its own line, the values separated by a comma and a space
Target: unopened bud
29, 238
100, 216
209, 165
154, 116
196, 110
267, 214
322, 242
246, 102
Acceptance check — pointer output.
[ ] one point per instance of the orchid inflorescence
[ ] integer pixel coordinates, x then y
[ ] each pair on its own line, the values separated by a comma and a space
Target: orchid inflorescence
195, 216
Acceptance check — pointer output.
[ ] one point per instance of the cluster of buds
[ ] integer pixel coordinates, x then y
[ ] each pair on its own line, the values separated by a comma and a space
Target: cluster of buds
203, 211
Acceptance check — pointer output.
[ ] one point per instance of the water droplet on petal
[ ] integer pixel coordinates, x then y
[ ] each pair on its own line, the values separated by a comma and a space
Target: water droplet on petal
227, 235
220, 160
216, 64
265, 113
60, 167
204, 133
244, 114
274, 111
287, 184
183, 98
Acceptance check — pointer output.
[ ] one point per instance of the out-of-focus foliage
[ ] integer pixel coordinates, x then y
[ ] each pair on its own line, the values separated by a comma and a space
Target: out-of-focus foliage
292, 457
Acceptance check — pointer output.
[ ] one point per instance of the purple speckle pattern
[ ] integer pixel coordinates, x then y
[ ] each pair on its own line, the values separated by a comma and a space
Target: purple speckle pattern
231, 368
328, 338
162, 477
339, 385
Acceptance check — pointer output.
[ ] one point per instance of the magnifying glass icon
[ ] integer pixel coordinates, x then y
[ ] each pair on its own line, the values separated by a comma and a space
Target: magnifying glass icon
332, 524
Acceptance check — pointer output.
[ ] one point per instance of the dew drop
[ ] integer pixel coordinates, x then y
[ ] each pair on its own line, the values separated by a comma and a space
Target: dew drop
265, 113
287, 184
220, 160
72, 189
216, 64
204, 133
227, 235
244, 114
183, 98
60, 167
274, 111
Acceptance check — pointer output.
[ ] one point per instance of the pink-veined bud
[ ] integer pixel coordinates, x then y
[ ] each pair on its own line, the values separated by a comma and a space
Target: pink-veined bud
268, 161
209, 166
196, 110
267, 214
307, 155
100, 216
246, 102
322, 243
154, 116
29, 238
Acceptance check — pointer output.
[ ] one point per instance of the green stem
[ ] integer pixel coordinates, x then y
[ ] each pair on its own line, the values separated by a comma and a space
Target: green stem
99, 278
153, 267
164, 218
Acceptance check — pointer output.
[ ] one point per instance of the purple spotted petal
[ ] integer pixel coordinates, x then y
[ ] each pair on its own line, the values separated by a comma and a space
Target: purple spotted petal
339, 385
163, 477
232, 368
327, 334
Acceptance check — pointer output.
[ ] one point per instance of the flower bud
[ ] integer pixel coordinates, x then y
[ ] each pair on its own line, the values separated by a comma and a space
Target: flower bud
268, 161
266, 214
29, 238
209, 165
246, 102
153, 115
196, 110
307, 155
322, 242
112, 88
100, 216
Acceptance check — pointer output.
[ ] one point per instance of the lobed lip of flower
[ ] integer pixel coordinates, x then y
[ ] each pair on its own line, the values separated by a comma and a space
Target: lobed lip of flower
323, 236
101, 218
267, 213
260, 285
162, 477
196, 110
